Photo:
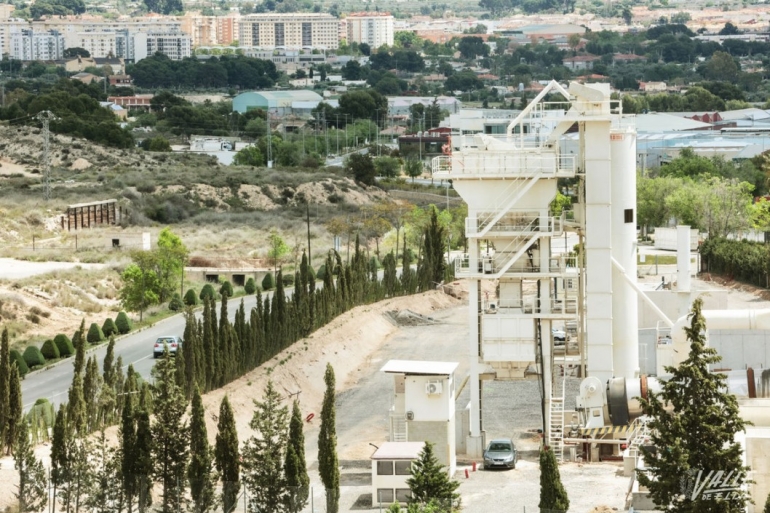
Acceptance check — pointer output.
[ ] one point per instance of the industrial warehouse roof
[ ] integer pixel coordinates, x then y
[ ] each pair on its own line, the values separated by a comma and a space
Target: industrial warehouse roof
398, 451
416, 367
660, 122
272, 99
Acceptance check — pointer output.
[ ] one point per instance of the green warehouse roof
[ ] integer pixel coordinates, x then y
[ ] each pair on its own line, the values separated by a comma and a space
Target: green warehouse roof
272, 99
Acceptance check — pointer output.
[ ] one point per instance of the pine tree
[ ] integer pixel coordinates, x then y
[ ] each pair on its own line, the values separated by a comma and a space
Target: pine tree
128, 448
33, 483
226, 455
328, 466
144, 463
767, 505
295, 466
263, 454
15, 411
5, 376
60, 461
430, 481
698, 434
553, 496
170, 435
199, 472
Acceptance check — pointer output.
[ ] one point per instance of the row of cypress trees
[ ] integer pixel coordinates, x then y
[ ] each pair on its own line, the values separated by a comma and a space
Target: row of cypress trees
216, 351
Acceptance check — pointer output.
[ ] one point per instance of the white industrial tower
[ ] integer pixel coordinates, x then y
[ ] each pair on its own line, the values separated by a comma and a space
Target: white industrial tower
509, 183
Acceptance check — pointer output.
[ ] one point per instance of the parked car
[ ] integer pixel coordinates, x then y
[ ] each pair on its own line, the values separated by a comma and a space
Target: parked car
560, 337
500, 453
173, 342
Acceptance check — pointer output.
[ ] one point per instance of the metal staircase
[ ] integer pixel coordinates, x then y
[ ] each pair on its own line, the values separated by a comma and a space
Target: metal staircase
556, 414
511, 195
641, 436
398, 428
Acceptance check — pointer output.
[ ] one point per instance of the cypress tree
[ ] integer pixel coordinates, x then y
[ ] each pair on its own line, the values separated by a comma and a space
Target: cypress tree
108, 365
226, 455
209, 342
767, 505
263, 453
189, 350
91, 391
128, 447
108, 394
77, 413
429, 481
79, 341
60, 462
328, 466
170, 435
295, 466
33, 483
221, 349
5, 377
199, 471
15, 412
144, 463
553, 496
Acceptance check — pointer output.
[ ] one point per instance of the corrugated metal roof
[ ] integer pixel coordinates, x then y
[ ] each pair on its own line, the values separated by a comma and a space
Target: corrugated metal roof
660, 122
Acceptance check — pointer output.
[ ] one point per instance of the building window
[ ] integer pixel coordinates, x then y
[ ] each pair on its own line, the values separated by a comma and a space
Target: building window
279, 35
628, 214
403, 494
384, 468
385, 495
402, 467
307, 34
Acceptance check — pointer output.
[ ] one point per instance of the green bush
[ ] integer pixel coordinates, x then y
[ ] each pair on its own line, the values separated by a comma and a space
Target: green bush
208, 292
226, 289
311, 272
190, 297
64, 345
123, 323
33, 357
49, 350
109, 328
321, 272
95, 334
176, 303
741, 260
288, 280
268, 282
251, 286
374, 263
20, 363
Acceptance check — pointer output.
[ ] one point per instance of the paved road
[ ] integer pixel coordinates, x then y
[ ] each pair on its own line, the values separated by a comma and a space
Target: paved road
53, 383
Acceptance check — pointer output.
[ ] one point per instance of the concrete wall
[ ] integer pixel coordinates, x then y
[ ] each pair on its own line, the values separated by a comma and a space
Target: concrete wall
441, 434
757, 454
741, 348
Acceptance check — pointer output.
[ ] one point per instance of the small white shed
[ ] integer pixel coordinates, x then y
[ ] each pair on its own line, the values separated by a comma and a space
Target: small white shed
390, 470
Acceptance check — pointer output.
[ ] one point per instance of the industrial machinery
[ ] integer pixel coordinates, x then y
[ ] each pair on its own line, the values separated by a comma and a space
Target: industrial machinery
509, 183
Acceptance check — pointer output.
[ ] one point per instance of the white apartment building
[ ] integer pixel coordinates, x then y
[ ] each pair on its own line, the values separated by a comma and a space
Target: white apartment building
290, 30
372, 28
175, 45
29, 45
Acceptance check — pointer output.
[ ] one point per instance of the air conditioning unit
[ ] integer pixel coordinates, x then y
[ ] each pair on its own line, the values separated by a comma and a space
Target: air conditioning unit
410, 415
433, 387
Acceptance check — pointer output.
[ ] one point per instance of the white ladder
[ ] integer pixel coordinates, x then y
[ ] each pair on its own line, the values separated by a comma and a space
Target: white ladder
641, 436
556, 416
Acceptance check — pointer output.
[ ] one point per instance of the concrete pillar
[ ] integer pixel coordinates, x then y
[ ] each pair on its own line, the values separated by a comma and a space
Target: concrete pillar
683, 268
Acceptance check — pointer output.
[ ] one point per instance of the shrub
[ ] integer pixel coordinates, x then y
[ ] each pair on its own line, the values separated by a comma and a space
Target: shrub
64, 345
251, 286
95, 334
208, 292
109, 328
288, 280
49, 350
190, 298
20, 363
321, 272
374, 263
123, 323
176, 303
226, 289
268, 282
311, 272
33, 357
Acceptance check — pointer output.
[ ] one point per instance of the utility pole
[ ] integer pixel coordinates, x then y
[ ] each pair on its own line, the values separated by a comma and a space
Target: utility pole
269, 143
45, 117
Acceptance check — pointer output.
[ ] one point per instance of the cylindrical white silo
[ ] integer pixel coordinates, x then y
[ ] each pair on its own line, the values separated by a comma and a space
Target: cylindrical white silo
625, 324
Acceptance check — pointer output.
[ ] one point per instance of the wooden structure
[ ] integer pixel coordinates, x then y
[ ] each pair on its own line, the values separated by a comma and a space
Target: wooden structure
90, 215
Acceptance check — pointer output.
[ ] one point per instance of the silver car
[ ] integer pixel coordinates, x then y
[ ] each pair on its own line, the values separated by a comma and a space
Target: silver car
173, 342
500, 453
